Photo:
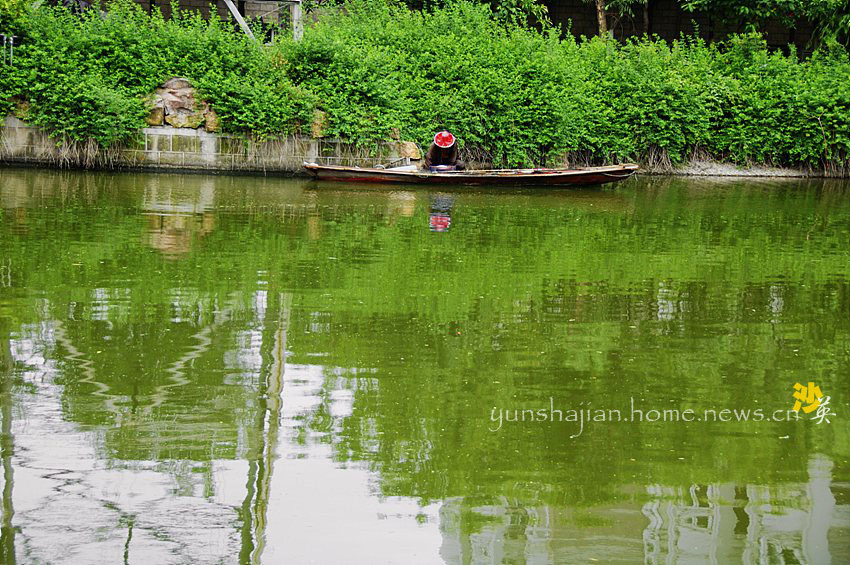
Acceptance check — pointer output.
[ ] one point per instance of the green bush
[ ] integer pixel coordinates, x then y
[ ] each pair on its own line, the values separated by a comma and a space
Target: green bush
87, 76
10, 10
513, 95
519, 96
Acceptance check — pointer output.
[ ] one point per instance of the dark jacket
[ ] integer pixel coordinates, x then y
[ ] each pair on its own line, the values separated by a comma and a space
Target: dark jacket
439, 156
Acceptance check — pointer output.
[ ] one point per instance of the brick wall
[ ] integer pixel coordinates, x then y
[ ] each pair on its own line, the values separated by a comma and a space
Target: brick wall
269, 12
202, 6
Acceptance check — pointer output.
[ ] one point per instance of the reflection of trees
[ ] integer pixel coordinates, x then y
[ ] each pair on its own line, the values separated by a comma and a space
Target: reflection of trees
520, 293
179, 408
159, 406
702, 325
131, 373
429, 396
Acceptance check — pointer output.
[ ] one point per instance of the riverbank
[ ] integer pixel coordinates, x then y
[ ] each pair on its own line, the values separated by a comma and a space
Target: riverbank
171, 149
167, 148
374, 72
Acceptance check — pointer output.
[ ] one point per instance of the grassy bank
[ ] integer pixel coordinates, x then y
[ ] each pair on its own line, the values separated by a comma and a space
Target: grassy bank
514, 96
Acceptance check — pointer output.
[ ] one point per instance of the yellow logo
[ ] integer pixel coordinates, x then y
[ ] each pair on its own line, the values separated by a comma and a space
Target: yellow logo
814, 399
811, 395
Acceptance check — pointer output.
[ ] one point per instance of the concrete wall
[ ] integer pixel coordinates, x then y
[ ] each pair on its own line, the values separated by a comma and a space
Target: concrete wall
166, 148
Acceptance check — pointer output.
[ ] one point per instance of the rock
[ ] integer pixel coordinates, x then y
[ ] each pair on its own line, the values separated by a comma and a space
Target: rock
22, 109
183, 118
173, 100
176, 83
181, 109
319, 124
409, 149
212, 122
156, 116
176, 104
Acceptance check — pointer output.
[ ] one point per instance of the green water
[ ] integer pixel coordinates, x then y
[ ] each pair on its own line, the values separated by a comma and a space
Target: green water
237, 369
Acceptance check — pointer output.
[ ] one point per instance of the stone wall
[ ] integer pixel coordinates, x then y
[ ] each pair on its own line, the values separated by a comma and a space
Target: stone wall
166, 147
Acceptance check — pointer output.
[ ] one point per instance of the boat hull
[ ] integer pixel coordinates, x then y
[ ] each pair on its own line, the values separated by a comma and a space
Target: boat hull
500, 177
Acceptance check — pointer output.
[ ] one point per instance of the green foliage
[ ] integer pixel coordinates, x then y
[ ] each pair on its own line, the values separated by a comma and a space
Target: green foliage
831, 18
521, 11
10, 10
523, 97
87, 76
513, 95
752, 14
776, 109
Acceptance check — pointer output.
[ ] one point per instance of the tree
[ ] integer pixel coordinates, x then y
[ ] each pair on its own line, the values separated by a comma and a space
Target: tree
831, 18
519, 11
750, 15
617, 9
602, 17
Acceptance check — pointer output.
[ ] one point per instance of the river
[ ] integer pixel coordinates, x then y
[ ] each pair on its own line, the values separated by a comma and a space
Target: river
223, 369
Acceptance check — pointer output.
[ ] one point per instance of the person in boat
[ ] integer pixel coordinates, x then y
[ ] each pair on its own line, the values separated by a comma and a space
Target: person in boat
444, 152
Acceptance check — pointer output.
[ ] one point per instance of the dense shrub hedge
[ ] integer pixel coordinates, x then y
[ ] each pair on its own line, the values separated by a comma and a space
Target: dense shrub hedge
87, 76
512, 94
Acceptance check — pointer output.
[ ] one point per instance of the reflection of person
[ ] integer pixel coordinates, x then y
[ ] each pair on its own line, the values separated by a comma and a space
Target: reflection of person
440, 219
444, 152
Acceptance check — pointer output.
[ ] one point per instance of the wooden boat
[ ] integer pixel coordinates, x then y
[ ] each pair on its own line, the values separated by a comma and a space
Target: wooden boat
495, 177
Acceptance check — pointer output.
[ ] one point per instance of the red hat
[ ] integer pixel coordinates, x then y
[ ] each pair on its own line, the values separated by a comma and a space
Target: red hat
444, 139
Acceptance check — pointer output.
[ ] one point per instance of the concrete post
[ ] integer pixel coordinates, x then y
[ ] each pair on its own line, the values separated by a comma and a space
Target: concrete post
295, 13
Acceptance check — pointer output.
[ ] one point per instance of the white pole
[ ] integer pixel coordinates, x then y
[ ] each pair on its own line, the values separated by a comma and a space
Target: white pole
238, 16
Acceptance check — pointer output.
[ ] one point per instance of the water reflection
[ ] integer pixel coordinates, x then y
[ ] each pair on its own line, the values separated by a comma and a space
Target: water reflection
440, 218
220, 369
748, 523
714, 523
7, 447
177, 218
